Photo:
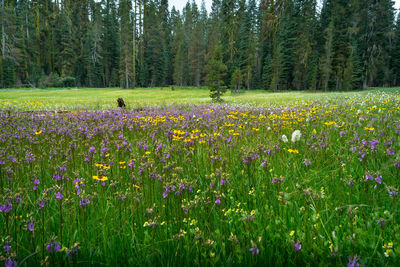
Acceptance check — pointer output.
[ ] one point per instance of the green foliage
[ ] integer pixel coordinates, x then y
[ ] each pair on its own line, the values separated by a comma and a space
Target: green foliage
396, 54
216, 74
278, 45
8, 73
237, 80
68, 81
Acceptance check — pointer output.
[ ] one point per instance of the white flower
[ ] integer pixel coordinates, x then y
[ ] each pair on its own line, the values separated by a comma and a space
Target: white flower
284, 139
296, 136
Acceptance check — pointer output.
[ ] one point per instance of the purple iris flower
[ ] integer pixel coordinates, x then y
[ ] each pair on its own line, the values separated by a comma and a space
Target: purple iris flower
297, 246
10, 263
30, 226
353, 261
58, 195
6, 207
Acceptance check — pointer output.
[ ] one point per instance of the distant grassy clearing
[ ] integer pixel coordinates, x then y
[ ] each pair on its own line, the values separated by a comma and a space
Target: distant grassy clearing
106, 98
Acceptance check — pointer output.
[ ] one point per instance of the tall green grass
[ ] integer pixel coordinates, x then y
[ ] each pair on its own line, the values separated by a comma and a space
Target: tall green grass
181, 185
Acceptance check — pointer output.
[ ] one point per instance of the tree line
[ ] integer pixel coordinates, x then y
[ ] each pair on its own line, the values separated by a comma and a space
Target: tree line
276, 45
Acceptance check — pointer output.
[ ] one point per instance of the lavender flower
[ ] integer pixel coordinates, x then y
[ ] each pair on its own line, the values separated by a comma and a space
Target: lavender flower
224, 182
369, 177
393, 191
42, 203
307, 162
36, 182
254, 250
353, 261
53, 246
6, 207
277, 180
10, 263
297, 245
381, 222
7, 248
59, 196
30, 226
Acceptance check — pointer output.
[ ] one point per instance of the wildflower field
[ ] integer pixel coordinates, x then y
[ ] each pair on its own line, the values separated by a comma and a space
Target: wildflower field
307, 183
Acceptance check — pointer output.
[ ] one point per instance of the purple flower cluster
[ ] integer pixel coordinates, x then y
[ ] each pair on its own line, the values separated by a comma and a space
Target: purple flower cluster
53, 246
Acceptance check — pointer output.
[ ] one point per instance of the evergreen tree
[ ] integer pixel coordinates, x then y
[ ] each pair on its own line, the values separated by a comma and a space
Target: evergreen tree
196, 53
213, 28
126, 59
65, 54
237, 80
396, 54
279, 45
165, 30
110, 45
93, 49
289, 39
247, 43
306, 22
216, 74
152, 45
179, 64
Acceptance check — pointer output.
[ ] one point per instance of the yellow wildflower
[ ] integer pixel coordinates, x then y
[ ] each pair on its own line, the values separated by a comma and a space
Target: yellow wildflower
136, 186
100, 178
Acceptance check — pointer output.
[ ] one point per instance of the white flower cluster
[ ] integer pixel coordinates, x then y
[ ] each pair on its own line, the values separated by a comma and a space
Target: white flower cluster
296, 135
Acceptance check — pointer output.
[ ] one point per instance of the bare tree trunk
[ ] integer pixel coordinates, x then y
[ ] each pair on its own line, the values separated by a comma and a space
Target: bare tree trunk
134, 45
126, 75
248, 79
141, 16
27, 25
365, 83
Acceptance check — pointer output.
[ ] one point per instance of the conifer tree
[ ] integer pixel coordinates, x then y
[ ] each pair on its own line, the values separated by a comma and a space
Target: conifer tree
216, 74
396, 54
126, 60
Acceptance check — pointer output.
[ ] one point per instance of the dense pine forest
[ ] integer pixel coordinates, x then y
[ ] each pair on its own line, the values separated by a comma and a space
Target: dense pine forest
275, 45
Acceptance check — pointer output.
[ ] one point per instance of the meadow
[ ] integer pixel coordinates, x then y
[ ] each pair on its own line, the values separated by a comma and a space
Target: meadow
100, 99
280, 179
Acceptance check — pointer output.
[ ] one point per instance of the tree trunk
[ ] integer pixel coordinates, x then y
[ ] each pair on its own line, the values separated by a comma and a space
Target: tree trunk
134, 46
126, 75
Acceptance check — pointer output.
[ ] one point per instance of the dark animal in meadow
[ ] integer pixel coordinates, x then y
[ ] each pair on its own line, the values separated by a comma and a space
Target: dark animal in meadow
121, 103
